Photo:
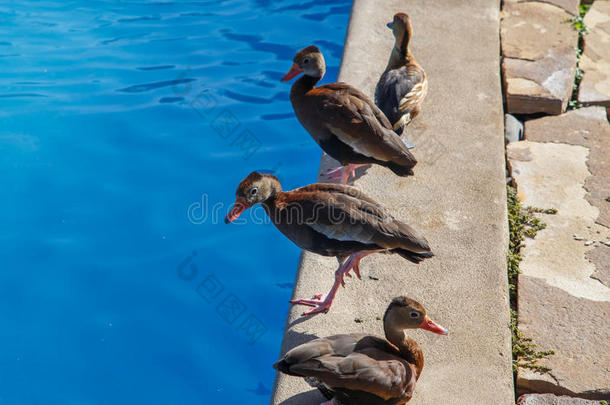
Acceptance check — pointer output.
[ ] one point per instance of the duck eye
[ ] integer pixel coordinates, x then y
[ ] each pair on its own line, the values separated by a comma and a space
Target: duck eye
305, 61
414, 314
253, 191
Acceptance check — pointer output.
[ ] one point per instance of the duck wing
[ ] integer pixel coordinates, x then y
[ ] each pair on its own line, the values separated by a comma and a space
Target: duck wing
354, 119
399, 91
345, 214
352, 362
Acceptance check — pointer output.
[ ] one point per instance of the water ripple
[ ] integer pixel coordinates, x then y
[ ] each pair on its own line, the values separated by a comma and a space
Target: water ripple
126, 37
156, 67
309, 5
141, 88
166, 100
260, 83
255, 100
273, 75
335, 49
325, 15
21, 95
275, 117
255, 42
136, 19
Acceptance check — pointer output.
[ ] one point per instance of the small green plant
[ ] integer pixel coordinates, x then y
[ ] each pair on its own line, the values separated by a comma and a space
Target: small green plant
579, 25
522, 223
578, 21
525, 353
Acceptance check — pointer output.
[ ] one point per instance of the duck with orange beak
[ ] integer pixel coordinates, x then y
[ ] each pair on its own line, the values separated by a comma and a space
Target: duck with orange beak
359, 369
330, 220
346, 124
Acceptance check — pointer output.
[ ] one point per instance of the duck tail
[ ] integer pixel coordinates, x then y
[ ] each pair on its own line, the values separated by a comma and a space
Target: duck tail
400, 170
412, 256
283, 367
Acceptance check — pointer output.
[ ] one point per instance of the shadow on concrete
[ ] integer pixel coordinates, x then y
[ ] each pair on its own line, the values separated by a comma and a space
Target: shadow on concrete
293, 339
305, 398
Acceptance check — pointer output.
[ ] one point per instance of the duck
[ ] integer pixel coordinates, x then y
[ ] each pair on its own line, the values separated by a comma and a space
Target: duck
403, 86
343, 121
359, 369
330, 220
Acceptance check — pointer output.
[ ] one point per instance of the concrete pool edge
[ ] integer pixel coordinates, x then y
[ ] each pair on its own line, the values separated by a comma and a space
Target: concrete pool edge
456, 198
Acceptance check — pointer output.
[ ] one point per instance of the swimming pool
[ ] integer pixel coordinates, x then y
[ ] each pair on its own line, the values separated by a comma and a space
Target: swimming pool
125, 129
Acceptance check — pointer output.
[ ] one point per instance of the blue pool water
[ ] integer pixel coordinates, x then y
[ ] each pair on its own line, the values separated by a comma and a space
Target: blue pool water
125, 127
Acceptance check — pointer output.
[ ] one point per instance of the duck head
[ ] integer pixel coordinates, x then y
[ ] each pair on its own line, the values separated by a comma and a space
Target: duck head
401, 28
404, 313
254, 189
309, 61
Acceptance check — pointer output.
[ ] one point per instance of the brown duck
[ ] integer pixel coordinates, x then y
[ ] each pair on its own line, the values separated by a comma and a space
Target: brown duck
403, 86
358, 369
346, 124
330, 220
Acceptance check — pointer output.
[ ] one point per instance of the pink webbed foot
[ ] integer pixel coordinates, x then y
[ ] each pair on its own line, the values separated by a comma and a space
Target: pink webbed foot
322, 303
319, 303
343, 173
335, 173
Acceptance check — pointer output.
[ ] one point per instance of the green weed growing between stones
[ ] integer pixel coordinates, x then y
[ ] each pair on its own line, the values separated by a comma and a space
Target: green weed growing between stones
522, 223
579, 25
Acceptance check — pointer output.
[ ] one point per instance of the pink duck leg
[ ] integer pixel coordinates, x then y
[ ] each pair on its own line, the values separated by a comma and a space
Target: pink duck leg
343, 172
322, 303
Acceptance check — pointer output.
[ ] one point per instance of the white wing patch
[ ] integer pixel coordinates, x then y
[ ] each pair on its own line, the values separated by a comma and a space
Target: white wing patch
354, 142
417, 93
405, 119
344, 232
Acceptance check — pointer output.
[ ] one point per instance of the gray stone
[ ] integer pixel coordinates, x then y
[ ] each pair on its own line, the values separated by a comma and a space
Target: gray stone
513, 129
587, 127
550, 399
571, 6
576, 329
553, 177
539, 57
457, 199
600, 257
595, 60
563, 294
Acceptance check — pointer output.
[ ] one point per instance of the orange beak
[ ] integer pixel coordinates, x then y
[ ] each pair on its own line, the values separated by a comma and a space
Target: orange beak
294, 70
428, 325
239, 207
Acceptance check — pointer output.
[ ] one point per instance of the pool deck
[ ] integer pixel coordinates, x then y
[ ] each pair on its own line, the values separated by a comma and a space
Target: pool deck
457, 198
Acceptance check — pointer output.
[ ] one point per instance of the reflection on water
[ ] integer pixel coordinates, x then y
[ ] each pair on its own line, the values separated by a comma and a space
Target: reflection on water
140, 88
117, 116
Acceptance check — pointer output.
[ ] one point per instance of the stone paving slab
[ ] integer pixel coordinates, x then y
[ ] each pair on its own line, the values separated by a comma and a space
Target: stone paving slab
552, 175
571, 6
539, 57
550, 399
576, 329
587, 127
457, 198
563, 293
595, 60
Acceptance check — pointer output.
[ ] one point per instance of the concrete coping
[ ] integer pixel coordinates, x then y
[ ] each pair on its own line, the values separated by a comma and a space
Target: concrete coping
457, 198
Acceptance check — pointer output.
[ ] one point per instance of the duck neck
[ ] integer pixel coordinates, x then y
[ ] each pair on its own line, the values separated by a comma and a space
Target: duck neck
269, 206
303, 85
400, 56
409, 349
269, 203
